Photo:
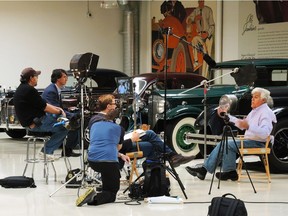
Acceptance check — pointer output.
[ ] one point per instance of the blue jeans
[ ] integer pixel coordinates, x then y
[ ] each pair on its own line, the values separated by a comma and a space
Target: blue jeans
58, 133
151, 145
229, 158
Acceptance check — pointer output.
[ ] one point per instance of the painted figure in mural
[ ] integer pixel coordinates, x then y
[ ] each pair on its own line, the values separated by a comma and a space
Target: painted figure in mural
202, 16
166, 9
178, 10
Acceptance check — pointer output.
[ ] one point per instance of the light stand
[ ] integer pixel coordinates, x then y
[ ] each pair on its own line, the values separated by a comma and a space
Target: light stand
170, 169
81, 65
81, 173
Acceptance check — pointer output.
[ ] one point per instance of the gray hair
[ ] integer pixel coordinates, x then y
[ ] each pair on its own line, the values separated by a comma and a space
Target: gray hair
264, 93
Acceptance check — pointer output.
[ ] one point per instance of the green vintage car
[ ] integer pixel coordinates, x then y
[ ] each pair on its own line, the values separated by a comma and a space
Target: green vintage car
184, 106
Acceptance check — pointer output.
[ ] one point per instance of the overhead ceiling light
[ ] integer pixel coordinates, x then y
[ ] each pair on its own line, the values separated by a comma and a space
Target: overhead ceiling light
109, 4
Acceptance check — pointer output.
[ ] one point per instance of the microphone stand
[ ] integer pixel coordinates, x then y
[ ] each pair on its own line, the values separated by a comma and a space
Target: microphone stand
170, 169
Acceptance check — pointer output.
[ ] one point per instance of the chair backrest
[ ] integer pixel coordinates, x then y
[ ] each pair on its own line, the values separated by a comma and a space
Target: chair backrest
268, 140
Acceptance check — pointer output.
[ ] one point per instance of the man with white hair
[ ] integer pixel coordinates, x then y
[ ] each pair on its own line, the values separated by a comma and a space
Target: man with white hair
257, 125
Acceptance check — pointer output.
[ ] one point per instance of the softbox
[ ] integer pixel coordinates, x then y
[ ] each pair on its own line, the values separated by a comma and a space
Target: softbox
245, 75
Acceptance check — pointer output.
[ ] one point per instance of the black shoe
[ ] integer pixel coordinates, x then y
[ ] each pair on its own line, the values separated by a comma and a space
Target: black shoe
227, 175
70, 153
179, 159
200, 172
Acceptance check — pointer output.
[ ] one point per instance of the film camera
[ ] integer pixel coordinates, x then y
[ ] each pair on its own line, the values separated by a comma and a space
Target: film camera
82, 64
225, 117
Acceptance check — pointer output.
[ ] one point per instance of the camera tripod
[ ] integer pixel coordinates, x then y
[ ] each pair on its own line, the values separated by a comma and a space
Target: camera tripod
224, 147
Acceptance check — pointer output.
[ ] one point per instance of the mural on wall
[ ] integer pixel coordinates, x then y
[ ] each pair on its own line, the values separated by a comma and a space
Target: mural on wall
184, 35
263, 29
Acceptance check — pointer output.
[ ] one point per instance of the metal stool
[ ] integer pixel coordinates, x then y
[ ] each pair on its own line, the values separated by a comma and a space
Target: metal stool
33, 158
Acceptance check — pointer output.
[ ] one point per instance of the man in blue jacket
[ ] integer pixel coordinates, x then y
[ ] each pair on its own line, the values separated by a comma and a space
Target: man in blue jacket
52, 94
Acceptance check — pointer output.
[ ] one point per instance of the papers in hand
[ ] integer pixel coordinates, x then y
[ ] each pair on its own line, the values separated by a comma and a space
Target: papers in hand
139, 131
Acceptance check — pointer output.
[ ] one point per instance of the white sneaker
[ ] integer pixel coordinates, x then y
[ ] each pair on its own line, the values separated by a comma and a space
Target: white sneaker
49, 157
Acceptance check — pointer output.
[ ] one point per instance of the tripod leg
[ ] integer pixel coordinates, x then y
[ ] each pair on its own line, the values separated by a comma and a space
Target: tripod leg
133, 182
219, 158
67, 182
243, 163
175, 175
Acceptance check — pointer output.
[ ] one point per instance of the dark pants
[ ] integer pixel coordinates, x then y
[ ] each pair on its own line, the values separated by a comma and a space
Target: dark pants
110, 176
73, 139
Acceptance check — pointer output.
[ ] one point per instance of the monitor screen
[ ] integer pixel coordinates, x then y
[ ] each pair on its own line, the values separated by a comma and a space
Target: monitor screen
124, 85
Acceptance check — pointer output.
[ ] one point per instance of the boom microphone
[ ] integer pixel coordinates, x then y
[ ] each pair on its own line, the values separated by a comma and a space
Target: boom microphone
211, 62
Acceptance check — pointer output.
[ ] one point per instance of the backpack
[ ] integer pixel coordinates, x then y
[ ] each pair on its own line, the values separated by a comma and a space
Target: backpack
17, 182
155, 181
225, 206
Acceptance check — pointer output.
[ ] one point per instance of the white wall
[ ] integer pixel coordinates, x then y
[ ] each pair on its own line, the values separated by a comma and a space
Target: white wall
46, 35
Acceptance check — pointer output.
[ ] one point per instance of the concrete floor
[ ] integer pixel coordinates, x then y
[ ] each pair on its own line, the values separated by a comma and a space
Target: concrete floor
39, 201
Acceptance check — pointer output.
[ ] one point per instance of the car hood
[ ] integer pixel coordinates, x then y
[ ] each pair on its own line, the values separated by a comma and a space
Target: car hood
212, 91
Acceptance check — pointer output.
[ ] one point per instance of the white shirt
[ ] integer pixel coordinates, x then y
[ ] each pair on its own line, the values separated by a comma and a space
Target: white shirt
260, 121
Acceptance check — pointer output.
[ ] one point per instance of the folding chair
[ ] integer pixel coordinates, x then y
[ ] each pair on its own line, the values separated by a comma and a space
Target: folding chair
262, 152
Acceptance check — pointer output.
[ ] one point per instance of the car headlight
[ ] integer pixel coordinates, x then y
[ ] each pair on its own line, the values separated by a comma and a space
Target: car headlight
160, 106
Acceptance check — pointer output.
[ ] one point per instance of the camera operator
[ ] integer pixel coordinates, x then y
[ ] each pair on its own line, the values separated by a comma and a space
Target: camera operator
35, 113
106, 138
257, 125
52, 94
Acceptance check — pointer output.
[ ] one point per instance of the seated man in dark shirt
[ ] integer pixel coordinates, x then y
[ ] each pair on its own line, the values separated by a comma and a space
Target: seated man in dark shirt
36, 114
52, 94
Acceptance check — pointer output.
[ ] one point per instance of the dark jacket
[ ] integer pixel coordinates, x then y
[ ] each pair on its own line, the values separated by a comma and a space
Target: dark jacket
28, 104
